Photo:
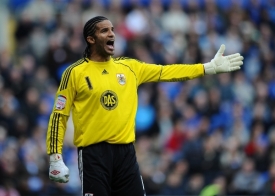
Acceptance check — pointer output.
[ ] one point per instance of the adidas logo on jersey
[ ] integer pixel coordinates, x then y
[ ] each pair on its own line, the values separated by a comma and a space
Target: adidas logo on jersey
105, 72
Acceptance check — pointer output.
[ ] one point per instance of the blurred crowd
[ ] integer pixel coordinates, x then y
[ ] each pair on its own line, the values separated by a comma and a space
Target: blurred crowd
209, 136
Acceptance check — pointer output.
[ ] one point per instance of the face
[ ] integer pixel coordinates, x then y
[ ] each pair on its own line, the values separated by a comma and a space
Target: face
104, 39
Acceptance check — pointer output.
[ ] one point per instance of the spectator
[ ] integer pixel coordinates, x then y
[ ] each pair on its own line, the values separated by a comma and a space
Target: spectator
211, 166
247, 181
192, 152
195, 185
174, 185
268, 188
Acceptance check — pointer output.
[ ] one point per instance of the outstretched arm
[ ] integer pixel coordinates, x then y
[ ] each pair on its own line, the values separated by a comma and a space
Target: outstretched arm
180, 72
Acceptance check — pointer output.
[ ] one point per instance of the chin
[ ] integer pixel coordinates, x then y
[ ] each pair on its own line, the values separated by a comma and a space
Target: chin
111, 53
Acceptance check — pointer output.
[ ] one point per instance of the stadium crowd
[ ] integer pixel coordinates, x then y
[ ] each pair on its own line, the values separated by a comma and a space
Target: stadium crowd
209, 136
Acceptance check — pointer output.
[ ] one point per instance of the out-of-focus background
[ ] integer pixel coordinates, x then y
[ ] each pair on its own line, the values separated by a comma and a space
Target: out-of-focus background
209, 136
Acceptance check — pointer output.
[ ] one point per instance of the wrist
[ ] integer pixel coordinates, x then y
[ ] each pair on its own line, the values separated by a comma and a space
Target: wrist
56, 157
209, 68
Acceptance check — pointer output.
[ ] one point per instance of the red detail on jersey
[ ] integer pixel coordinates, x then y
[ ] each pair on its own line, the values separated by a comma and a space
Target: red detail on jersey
55, 172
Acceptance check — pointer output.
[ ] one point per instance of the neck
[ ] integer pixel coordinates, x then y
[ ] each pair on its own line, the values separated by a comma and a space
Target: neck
98, 58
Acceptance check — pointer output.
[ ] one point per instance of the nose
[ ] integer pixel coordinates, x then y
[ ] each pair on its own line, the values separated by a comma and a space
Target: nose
111, 33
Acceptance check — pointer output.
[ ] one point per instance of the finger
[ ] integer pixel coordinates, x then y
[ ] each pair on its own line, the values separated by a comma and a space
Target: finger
53, 179
239, 58
221, 50
57, 180
236, 64
235, 68
62, 180
232, 56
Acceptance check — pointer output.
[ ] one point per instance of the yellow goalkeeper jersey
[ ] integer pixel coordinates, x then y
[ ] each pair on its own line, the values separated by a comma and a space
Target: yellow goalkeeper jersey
103, 100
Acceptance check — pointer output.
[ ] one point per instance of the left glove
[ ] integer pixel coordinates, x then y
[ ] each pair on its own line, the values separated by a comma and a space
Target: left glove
222, 64
58, 171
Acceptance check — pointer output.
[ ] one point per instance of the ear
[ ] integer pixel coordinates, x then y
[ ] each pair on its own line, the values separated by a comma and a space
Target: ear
91, 39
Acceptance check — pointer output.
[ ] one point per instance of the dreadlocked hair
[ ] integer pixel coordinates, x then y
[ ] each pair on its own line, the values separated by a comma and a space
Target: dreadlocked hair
89, 30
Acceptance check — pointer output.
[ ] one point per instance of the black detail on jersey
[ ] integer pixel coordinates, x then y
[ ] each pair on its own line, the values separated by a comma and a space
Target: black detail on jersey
105, 72
121, 58
54, 133
67, 73
127, 58
176, 79
160, 73
89, 82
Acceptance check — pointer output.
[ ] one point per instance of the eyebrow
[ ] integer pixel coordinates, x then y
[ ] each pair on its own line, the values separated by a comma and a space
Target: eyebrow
104, 28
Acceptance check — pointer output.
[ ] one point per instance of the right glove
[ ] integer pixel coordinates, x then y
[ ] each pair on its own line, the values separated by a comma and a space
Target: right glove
58, 171
222, 64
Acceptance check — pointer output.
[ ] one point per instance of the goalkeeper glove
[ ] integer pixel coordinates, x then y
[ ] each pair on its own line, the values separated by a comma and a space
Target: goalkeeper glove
58, 171
221, 64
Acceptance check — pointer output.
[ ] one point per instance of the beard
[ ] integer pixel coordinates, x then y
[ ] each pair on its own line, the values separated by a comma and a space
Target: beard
100, 48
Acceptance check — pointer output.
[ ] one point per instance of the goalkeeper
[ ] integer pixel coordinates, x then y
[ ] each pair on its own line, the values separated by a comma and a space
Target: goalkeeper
101, 93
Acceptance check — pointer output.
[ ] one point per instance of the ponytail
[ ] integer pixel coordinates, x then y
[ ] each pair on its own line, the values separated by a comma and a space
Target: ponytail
87, 52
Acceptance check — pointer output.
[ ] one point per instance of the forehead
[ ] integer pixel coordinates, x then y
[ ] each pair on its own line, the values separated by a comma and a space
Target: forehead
104, 24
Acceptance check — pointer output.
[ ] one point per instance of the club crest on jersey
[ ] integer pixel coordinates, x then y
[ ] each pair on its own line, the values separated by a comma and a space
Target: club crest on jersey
60, 102
121, 78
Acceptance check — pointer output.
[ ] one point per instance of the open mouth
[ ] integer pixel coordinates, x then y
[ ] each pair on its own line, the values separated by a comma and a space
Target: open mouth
110, 44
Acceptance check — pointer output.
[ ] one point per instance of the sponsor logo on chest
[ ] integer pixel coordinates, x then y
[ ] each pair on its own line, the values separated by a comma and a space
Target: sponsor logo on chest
109, 100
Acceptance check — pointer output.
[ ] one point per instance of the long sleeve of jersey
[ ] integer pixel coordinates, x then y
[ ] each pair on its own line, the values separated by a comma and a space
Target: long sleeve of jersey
164, 73
61, 111
56, 132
